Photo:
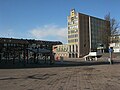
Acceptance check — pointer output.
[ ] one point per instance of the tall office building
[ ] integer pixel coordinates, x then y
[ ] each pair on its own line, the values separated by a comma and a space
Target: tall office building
85, 34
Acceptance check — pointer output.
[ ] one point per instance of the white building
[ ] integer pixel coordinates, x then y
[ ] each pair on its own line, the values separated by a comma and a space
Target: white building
115, 43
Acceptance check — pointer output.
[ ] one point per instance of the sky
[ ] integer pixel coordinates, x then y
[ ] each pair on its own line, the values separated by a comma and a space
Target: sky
47, 19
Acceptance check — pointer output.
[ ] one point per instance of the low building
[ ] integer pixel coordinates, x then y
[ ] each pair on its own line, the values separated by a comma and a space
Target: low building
11, 48
115, 43
61, 51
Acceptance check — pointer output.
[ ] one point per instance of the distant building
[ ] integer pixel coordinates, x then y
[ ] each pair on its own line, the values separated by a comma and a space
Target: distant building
85, 34
115, 43
61, 50
11, 48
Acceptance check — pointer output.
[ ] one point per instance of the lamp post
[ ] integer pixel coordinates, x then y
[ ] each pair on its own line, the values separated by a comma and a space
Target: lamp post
111, 51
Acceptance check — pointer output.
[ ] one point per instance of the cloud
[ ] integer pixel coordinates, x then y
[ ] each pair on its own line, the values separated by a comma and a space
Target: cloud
50, 32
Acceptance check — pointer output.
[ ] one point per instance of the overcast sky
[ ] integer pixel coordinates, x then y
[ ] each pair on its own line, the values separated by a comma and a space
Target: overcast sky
47, 19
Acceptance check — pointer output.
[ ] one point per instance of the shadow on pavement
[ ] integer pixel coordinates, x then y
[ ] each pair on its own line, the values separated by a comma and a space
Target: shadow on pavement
65, 63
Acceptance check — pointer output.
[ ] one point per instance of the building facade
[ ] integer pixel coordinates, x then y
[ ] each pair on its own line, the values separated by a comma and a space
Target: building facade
18, 49
85, 34
61, 51
115, 43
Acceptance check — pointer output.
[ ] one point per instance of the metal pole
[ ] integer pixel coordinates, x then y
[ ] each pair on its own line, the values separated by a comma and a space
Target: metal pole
111, 58
90, 33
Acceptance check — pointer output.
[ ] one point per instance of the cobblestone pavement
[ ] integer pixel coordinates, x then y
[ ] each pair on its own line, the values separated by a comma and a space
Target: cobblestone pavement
93, 77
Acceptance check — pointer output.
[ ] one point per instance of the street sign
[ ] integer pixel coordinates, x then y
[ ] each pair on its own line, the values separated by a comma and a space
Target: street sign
110, 50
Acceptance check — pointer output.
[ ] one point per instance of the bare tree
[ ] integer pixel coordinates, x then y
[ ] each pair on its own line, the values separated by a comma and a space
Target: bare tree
114, 25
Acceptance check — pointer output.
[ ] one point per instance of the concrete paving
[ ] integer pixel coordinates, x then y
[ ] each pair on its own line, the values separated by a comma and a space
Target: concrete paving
72, 75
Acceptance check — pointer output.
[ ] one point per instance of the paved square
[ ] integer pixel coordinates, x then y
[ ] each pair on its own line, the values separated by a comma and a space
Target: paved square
78, 77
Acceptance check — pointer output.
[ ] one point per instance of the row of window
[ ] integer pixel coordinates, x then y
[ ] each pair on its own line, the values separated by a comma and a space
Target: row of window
72, 31
72, 40
73, 27
73, 22
97, 21
13, 45
62, 49
73, 36
75, 17
72, 48
96, 26
65, 55
31, 46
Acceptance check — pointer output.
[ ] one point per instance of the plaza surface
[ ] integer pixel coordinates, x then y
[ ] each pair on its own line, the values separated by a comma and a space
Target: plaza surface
66, 75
